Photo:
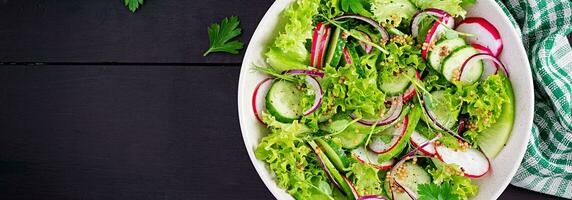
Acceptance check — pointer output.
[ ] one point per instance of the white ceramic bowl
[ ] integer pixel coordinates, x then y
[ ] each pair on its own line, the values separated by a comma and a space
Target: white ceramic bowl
504, 166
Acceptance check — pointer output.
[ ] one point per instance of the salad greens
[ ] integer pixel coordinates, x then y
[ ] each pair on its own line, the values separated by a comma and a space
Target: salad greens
351, 112
288, 51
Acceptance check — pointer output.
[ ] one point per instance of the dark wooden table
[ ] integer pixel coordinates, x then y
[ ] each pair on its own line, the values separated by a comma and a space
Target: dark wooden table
100, 103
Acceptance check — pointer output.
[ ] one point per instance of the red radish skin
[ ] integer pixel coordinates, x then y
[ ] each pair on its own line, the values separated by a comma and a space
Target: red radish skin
439, 149
485, 56
411, 91
435, 32
357, 153
323, 47
258, 102
418, 17
427, 150
315, 42
347, 56
485, 33
403, 130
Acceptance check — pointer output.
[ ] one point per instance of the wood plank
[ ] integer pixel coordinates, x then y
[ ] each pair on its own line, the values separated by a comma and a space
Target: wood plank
165, 31
122, 132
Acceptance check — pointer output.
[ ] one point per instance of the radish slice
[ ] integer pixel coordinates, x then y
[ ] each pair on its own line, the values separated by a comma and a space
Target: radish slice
373, 197
420, 15
436, 31
378, 146
392, 114
411, 91
259, 96
382, 31
366, 47
306, 72
315, 43
423, 144
392, 173
353, 188
484, 56
490, 66
347, 56
322, 50
485, 33
473, 162
366, 156
311, 81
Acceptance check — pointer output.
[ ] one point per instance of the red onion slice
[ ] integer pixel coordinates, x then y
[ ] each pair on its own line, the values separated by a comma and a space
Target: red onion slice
420, 15
311, 81
382, 31
306, 72
258, 98
372, 197
484, 56
432, 117
352, 187
328, 173
391, 115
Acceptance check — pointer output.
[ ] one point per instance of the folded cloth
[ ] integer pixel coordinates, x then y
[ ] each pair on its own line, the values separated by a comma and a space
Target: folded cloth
544, 25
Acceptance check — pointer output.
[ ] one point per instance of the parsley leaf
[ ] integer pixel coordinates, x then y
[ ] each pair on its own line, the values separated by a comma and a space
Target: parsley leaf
436, 192
133, 5
221, 34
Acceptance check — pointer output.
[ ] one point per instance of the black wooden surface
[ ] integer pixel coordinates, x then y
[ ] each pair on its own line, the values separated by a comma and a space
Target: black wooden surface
165, 126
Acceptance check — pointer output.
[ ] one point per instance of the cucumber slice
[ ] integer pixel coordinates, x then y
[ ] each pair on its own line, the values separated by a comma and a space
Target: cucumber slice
356, 60
441, 50
283, 101
453, 63
493, 139
397, 84
416, 175
443, 113
335, 174
335, 153
336, 48
412, 120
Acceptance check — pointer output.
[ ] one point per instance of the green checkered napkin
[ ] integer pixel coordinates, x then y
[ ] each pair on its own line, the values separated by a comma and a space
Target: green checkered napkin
544, 24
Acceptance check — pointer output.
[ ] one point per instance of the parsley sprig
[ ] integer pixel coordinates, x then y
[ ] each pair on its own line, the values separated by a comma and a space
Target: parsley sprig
436, 192
220, 36
133, 5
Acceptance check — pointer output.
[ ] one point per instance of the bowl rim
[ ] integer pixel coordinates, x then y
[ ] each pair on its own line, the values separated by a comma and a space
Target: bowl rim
271, 183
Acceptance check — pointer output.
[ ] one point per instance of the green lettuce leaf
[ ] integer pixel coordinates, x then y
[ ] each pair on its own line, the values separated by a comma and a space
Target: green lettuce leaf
295, 165
452, 175
392, 12
365, 179
453, 7
288, 51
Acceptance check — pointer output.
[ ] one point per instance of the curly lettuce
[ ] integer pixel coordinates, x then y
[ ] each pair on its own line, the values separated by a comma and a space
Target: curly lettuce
483, 101
453, 7
295, 165
391, 13
452, 175
288, 51
365, 179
